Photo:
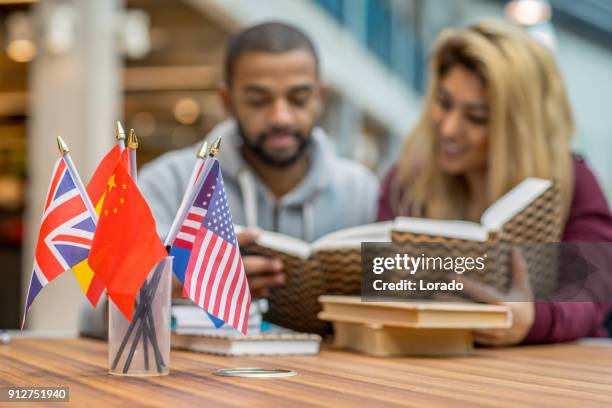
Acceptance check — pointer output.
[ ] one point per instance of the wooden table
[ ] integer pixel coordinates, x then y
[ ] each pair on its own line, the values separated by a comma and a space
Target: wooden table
575, 375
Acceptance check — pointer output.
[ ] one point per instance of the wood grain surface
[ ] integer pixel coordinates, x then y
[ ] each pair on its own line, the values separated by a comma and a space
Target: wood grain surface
564, 375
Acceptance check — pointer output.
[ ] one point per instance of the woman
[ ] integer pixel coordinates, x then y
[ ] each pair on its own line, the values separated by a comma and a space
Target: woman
495, 113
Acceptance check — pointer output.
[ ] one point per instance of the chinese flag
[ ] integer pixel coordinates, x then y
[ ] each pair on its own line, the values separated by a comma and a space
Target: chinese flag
96, 188
91, 284
125, 246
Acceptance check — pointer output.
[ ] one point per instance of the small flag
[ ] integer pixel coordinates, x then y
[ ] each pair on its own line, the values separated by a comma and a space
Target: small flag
66, 232
215, 278
92, 285
126, 246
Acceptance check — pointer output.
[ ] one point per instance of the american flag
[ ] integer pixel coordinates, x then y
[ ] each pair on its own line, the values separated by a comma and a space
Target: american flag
215, 278
66, 233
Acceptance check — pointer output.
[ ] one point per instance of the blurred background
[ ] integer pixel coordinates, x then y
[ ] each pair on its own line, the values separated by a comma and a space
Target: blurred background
73, 67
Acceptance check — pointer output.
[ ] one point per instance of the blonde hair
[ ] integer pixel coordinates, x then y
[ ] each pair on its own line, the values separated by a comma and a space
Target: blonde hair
529, 128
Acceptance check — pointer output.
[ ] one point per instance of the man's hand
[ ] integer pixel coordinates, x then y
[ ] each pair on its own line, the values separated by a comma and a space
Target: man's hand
519, 299
263, 273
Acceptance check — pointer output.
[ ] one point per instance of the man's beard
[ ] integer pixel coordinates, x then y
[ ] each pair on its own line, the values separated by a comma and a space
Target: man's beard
271, 160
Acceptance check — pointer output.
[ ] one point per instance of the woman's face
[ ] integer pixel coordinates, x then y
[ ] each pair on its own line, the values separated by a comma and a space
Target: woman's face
460, 114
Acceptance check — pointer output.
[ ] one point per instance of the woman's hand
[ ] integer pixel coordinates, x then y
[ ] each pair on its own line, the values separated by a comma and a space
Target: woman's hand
519, 299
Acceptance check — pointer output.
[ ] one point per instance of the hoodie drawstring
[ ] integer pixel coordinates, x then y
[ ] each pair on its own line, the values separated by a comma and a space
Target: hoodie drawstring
308, 215
246, 181
249, 196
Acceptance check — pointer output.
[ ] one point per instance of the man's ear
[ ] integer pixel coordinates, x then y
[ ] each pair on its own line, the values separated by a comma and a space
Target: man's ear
226, 99
323, 93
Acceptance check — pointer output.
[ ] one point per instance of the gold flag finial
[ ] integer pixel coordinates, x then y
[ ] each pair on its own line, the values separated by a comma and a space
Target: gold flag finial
62, 146
203, 150
119, 132
132, 140
214, 150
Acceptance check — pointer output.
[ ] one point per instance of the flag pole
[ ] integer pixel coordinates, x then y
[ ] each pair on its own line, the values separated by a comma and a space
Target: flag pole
197, 167
65, 152
120, 135
132, 145
144, 303
191, 192
201, 157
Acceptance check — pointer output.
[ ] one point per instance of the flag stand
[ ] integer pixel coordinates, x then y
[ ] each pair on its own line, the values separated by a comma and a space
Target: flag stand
147, 311
128, 355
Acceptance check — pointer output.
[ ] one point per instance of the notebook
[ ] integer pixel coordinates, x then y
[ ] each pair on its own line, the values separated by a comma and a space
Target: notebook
277, 341
189, 318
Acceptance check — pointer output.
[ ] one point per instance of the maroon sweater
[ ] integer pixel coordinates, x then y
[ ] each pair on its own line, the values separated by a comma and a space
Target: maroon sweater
589, 220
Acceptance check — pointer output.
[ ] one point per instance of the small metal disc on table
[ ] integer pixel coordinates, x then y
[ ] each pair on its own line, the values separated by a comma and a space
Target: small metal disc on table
255, 372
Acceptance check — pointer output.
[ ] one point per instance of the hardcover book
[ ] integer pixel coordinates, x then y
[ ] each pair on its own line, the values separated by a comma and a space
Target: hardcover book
422, 328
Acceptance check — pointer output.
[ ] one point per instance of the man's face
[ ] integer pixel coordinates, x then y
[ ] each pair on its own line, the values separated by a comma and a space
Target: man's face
276, 99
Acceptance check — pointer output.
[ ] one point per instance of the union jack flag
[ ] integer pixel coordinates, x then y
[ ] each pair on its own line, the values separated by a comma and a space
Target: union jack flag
215, 278
66, 233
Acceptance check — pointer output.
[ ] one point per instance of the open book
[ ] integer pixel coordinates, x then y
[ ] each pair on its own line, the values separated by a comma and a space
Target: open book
529, 213
528, 217
331, 264
348, 238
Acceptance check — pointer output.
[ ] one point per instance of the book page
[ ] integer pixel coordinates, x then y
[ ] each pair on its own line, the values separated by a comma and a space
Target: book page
284, 243
513, 202
281, 243
442, 228
353, 237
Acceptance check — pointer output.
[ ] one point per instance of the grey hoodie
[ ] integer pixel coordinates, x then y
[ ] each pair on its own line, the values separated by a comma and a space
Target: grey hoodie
336, 193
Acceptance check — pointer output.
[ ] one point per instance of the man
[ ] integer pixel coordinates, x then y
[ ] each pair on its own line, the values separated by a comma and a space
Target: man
279, 170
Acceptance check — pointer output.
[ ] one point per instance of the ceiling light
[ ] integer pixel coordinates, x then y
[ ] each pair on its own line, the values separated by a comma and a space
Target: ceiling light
528, 12
187, 111
20, 37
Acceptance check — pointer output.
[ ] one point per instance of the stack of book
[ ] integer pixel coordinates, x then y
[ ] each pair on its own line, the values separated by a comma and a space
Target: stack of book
188, 318
192, 330
414, 328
